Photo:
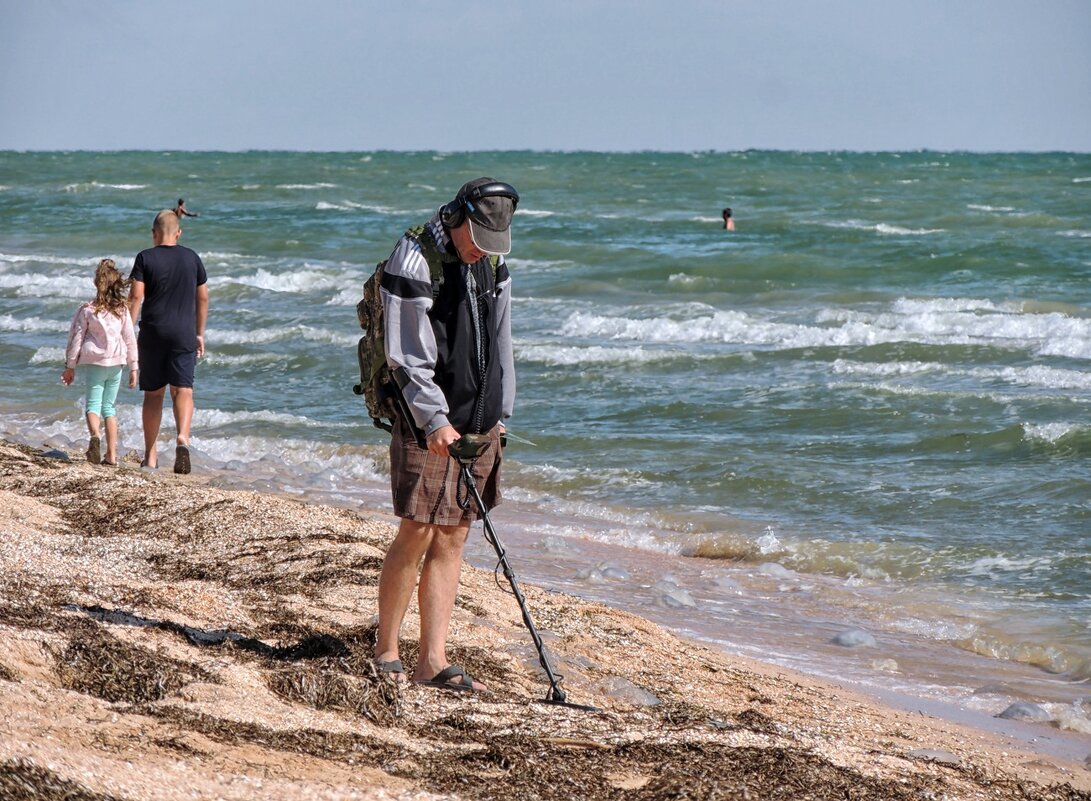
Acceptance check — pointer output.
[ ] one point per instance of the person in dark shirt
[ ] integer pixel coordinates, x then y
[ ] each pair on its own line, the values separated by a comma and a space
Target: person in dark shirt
169, 293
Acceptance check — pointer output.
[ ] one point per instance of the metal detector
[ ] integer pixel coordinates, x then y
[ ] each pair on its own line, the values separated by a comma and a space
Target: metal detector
466, 450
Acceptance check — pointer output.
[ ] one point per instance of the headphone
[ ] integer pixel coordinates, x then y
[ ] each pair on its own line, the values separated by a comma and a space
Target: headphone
454, 213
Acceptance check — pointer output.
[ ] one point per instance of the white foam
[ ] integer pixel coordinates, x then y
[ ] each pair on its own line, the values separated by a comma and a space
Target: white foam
349, 296
985, 207
215, 418
87, 185
940, 322
307, 186
1075, 234
9, 322
569, 356
48, 356
304, 332
535, 213
302, 280
1034, 376
885, 229
1051, 432
46, 258
221, 360
1081, 180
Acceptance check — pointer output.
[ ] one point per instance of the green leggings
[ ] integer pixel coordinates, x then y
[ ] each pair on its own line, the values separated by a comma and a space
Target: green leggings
102, 386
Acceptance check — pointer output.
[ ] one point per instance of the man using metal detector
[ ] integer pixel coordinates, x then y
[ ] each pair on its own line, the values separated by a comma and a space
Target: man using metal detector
448, 344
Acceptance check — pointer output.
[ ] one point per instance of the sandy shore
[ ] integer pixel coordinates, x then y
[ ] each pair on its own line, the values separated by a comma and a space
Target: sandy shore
166, 639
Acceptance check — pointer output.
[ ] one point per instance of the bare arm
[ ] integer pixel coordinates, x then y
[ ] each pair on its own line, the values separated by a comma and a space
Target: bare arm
202, 317
136, 299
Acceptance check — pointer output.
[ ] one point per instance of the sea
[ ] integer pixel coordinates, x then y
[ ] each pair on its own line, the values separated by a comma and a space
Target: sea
851, 437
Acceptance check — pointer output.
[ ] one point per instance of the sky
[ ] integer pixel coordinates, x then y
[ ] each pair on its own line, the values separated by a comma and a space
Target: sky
604, 75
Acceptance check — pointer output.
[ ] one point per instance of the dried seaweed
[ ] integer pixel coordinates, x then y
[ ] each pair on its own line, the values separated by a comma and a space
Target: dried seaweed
97, 663
22, 780
326, 685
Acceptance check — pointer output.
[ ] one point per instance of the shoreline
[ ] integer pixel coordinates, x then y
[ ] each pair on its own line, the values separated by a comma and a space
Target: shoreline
131, 603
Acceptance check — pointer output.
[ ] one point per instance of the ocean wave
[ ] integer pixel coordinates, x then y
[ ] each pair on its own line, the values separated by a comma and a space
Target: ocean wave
89, 185
307, 186
885, 229
46, 258
265, 335
225, 360
1075, 234
349, 205
217, 418
572, 356
985, 207
9, 322
48, 356
300, 281
50, 285
1034, 376
1048, 334
1055, 433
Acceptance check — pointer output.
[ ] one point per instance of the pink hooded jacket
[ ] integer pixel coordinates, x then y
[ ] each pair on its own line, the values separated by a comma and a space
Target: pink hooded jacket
101, 338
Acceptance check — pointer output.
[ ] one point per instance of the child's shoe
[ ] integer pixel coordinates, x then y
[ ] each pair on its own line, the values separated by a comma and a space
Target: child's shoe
94, 451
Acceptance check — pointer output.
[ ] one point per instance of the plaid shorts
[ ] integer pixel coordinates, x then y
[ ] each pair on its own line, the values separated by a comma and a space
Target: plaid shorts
425, 486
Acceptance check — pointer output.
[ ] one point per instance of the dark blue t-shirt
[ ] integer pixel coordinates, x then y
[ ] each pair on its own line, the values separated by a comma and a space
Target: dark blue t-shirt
171, 275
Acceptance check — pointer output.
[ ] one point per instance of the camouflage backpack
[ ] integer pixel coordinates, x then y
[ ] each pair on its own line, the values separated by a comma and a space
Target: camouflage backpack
377, 383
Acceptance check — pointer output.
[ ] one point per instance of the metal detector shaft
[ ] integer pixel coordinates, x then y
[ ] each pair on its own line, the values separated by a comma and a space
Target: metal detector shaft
556, 694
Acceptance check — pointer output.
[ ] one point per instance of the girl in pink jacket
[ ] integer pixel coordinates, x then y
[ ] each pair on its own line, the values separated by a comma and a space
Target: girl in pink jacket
101, 339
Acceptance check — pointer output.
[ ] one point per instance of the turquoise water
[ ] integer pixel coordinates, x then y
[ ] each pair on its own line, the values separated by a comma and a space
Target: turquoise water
879, 383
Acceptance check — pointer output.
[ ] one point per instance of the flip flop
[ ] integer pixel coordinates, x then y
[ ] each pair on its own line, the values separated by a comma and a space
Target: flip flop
392, 668
442, 680
181, 460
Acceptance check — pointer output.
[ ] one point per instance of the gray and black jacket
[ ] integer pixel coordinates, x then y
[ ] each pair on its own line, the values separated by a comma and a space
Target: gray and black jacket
433, 335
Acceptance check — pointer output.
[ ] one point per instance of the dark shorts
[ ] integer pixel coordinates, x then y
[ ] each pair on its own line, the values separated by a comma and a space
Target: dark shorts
163, 363
425, 486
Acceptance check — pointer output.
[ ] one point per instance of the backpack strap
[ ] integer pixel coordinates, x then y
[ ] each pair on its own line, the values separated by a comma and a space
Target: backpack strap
437, 257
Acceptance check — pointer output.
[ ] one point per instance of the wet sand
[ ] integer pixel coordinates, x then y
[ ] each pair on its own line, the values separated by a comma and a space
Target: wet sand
167, 639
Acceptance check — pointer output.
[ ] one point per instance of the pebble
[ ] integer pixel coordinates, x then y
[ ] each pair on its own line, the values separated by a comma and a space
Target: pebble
776, 570
624, 690
1024, 710
933, 755
677, 599
854, 638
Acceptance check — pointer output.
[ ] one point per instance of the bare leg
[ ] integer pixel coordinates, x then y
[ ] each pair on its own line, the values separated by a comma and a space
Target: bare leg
182, 399
396, 583
436, 598
152, 417
94, 446
111, 439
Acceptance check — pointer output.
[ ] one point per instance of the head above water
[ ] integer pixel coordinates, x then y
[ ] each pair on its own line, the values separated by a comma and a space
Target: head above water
488, 206
726, 213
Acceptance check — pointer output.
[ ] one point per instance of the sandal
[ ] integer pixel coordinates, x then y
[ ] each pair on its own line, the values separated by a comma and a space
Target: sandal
392, 668
443, 680
181, 460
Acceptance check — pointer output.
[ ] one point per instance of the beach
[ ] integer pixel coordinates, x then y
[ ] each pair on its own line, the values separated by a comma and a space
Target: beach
167, 638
